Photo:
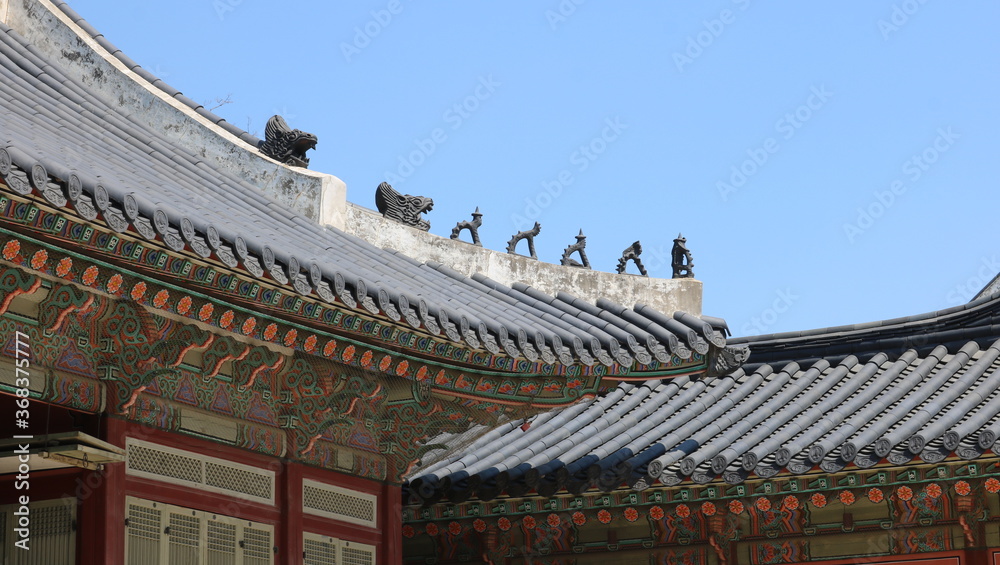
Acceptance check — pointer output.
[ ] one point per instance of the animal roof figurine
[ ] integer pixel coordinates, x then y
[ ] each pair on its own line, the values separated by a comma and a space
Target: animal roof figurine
285, 144
403, 208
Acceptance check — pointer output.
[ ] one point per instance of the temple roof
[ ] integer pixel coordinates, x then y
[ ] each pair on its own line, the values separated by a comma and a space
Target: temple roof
899, 392
82, 153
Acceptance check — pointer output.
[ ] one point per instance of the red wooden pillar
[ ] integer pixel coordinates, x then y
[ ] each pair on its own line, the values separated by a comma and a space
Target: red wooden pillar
101, 496
290, 540
392, 525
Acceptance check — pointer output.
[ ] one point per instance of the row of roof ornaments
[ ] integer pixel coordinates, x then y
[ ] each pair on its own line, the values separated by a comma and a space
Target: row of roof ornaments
135, 180
289, 146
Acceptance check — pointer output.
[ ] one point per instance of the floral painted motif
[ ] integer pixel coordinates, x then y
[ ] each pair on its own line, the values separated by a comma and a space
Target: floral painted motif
709, 509
657, 513
904, 493
270, 331
249, 325
963, 488
455, 528
574, 383
11, 248
992, 485
553, 520
184, 305
385, 363
735, 507
160, 299
401, 369
309, 345
90, 275
790, 503
528, 522
682, 510
422, 373
206, 312
529, 388
604, 517
432, 529
876, 495
366, 359
290, 337
39, 259
115, 283
631, 514
846, 497
503, 523
763, 504
933, 490
63, 266
408, 531
818, 500
479, 525
138, 291
226, 319
348, 354
330, 348
579, 518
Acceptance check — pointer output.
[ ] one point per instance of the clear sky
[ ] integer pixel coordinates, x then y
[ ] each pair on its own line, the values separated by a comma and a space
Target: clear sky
829, 163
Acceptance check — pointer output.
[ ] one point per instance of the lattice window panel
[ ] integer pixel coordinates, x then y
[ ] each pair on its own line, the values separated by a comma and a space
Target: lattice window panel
193, 537
318, 550
221, 548
357, 554
163, 463
339, 503
53, 534
186, 468
143, 534
252, 483
185, 536
257, 546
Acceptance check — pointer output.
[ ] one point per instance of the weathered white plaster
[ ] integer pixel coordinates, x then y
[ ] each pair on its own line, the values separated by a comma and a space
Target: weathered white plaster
81, 57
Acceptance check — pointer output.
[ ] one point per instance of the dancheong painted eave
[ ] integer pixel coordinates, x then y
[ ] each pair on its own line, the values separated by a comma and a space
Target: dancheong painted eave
901, 392
83, 155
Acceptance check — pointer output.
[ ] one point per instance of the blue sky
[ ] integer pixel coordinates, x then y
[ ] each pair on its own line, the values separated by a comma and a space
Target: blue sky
829, 163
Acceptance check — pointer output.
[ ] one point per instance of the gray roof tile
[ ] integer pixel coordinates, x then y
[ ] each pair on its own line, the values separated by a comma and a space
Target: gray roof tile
785, 416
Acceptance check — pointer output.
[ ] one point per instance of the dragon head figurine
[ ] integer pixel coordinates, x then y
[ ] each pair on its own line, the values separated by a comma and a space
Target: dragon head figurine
403, 208
285, 144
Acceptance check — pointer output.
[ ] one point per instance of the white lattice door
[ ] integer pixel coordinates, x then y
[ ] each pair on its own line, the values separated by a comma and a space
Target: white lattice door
162, 534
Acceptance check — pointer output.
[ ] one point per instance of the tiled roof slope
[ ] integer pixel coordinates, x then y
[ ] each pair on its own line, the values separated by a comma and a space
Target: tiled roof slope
60, 142
898, 392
